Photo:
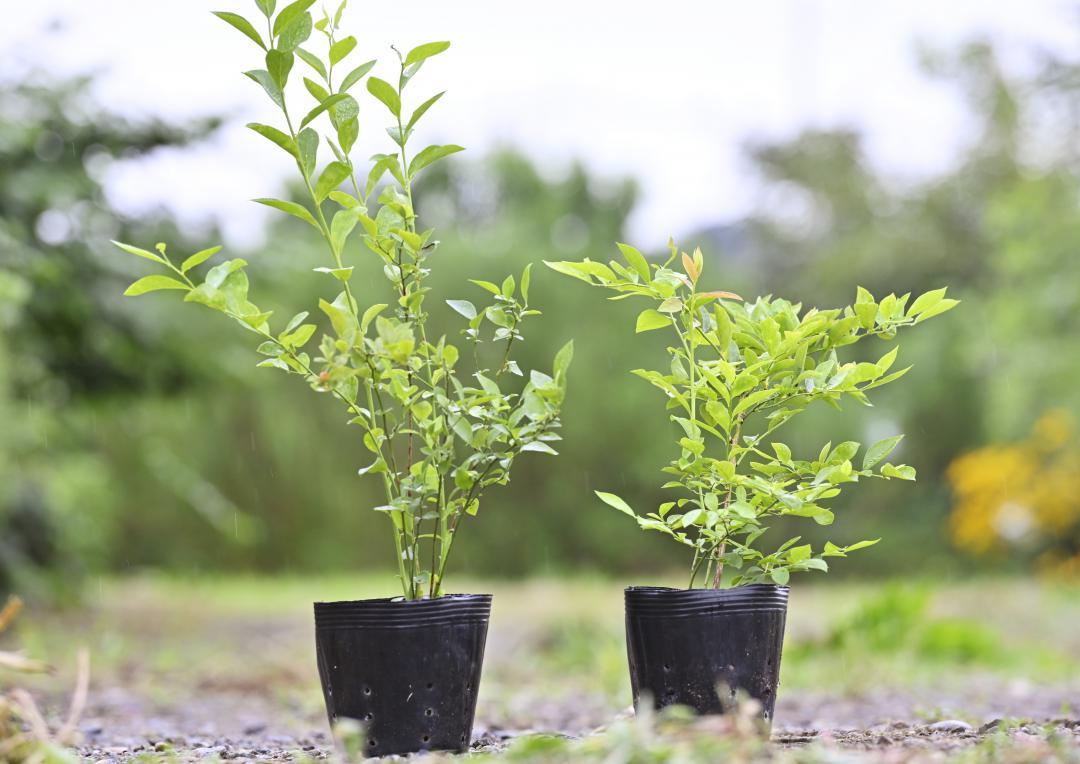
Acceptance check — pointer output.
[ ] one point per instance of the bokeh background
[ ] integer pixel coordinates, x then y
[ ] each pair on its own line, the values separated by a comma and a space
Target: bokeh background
807, 147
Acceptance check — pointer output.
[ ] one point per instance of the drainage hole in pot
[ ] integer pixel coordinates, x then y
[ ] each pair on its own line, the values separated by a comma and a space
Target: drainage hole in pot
429, 712
667, 667
430, 685
368, 716
371, 742
426, 738
367, 690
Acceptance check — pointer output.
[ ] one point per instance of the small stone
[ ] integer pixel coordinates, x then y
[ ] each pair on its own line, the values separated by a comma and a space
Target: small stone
952, 726
993, 724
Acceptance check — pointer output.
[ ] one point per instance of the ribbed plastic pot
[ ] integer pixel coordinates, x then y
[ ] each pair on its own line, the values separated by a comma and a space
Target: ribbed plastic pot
408, 671
686, 644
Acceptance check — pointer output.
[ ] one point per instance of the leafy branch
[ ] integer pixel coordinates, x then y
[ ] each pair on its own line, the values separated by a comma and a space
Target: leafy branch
738, 372
438, 439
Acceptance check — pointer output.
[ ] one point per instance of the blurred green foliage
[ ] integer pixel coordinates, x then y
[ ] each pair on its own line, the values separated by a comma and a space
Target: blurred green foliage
155, 444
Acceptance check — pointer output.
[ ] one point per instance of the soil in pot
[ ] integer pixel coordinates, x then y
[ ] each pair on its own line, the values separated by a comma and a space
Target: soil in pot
407, 671
699, 647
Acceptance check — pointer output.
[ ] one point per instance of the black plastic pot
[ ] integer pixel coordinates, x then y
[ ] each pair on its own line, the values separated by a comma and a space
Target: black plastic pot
408, 671
686, 644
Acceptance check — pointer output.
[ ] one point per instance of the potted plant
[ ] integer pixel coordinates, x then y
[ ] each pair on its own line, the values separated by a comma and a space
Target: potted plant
738, 372
407, 668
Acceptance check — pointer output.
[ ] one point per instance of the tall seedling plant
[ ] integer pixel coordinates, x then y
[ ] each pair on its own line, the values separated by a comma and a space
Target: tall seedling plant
738, 372
438, 438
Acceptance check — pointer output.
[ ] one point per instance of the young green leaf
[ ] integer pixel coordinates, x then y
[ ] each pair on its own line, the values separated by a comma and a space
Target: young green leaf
332, 176
464, 307
614, 501
263, 78
313, 61
650, 319
290, 14
385, 92
291, 208
422, 109
199, 258
342, 48
429, 155
636, 260
879, 451
275, 136
266, 6
328, 103
356, 75
238, 22
427, 50
279, 64
139, 252
562, 361
154, 284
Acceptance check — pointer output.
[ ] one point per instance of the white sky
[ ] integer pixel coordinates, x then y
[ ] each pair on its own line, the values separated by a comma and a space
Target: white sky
667, 92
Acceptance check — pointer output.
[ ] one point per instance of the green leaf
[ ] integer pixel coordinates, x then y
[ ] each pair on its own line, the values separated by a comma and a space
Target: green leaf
464, 307
902, 471
275, 136
291, 208
329, 102
937, 309
860, 545
295, 33
279, 64
369, 316
263, 78
427, 50
614, 501
429, 155
243, 25
308, 150
487, 285
340, 227
562, 361
422, 109
341, 274
879, 451
318, 92
355, 75
780, 575
266, 6
384, 163
139, 252
332, 177
926, 301
651, 319
526, 276
671, 305
199, 258
154, 284
799, 553
385, 92
291, 13
313, 61
539, 446
636, 260
340, 49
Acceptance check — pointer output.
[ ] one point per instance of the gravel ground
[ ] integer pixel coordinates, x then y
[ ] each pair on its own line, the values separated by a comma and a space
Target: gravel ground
239, 726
